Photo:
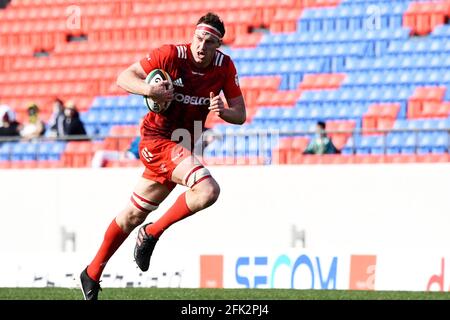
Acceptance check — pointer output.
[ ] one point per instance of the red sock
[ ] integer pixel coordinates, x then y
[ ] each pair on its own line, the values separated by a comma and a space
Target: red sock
177, 212
114, 237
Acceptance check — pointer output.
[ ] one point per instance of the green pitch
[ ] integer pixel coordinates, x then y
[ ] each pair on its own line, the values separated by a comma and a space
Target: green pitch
216, 294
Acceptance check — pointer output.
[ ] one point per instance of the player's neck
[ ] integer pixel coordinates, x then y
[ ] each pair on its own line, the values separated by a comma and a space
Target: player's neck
201, 65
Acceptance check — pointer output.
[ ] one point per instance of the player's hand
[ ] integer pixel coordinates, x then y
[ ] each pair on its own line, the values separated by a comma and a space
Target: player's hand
160, 92
216, 104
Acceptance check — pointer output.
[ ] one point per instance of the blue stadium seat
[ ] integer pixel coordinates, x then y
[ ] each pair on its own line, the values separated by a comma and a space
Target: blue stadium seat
442, 31
91, 117
424, 143
394, 142
262, 114
287, 114
99, 102
214, 149
44, 150
117, 117
24, 151
5, 151
440, 142
409, 144
378, 145
136, 101
364, 145
92, 129
105, 117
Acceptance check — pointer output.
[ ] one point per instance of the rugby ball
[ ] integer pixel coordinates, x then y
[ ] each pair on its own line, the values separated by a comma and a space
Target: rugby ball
156, 76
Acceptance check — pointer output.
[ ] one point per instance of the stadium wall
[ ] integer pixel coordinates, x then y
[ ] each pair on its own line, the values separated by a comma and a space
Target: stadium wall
382, 227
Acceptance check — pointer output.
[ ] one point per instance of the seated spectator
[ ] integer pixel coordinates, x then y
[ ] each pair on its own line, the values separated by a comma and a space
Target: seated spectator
9, 127
321, 143
56, 122
34, 127
72, 125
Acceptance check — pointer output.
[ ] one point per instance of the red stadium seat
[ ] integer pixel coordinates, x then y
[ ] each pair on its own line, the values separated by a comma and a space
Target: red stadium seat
48, 164
284, 19
322, 81
278, 98
344, 159
292, 148
5, 164
433, 109
29, 164
123, 163
346, 127
422, 95
380, 117
79, 153
368, 159
247, 40
433, 158
400, 158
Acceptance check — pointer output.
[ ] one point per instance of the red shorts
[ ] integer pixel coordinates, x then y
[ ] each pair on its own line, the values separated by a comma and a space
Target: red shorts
160, 157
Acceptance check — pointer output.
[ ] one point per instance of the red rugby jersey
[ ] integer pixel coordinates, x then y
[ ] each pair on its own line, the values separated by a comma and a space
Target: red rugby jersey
192, 86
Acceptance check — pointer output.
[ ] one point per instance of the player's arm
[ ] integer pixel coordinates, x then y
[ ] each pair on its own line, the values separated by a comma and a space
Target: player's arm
235, 113
132, 80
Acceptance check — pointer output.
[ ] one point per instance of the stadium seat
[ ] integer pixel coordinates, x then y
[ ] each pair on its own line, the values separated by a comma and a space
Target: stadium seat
78, 154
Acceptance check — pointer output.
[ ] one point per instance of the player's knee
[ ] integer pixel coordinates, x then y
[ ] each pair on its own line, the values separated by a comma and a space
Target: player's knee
130, 218
208, 192
136, 217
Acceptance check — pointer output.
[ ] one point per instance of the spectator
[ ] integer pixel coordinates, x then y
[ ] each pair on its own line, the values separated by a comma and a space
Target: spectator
35, 127
321, 143
72, 124
9, 127
56, 122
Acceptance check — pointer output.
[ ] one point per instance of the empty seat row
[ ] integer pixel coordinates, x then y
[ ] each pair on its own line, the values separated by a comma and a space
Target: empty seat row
395, 77
410, 61
117, 117
31, 151
55, 11
357, 95
298, 52
308, 38
31, 164
309, 113
112, 102
425, 46
69, 62
58, 76
324, 20
422, 124
408, 143
277, 68
298, 158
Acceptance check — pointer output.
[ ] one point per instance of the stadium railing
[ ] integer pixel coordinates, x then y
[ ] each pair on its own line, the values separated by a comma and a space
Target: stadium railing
263, 145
